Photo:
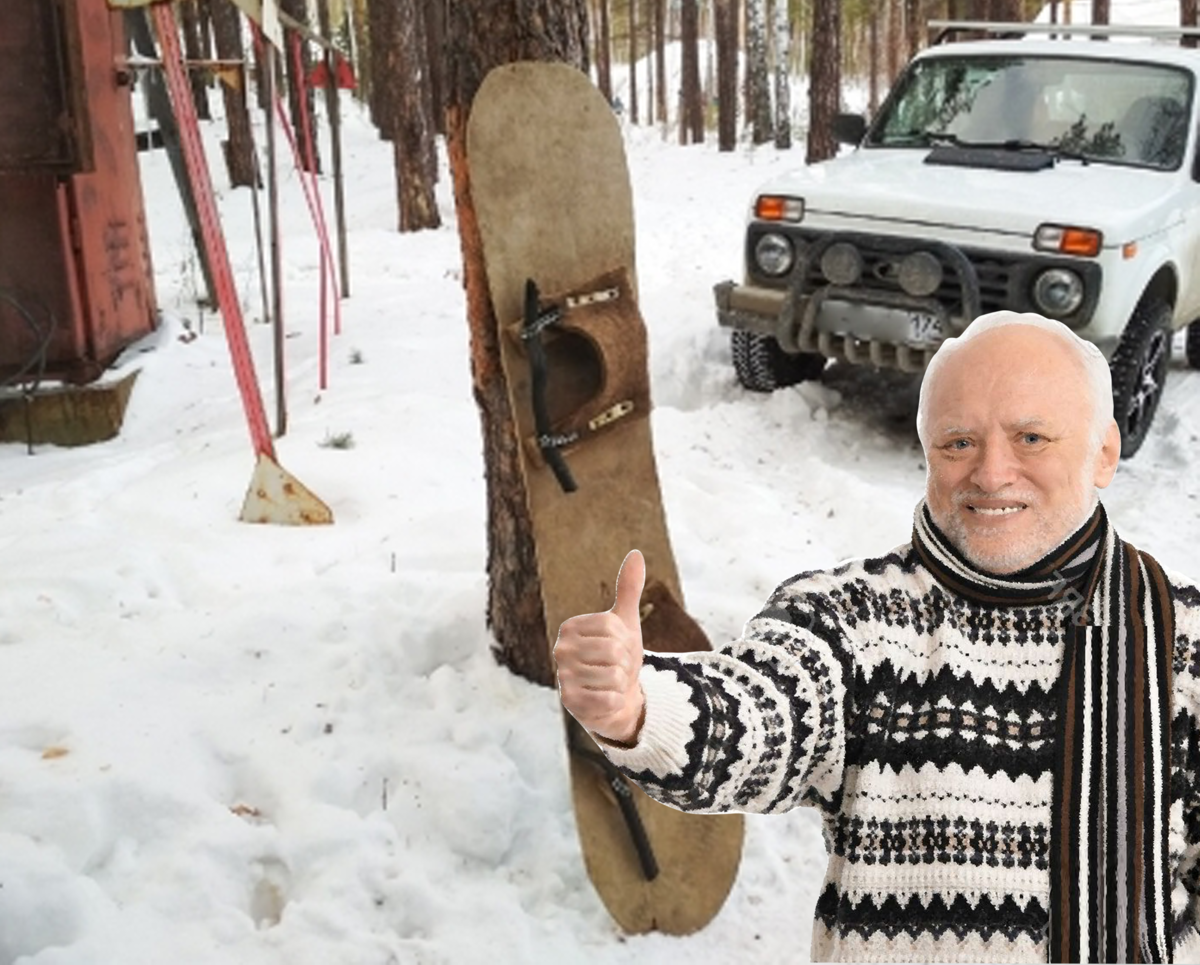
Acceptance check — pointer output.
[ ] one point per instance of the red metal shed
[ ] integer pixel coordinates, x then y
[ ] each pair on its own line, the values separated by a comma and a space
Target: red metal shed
76, 283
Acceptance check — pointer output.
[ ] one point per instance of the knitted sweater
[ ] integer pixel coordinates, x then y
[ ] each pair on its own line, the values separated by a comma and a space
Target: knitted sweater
922, 727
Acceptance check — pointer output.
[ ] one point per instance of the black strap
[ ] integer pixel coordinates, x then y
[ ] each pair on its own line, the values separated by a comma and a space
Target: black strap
535, 322
633, 821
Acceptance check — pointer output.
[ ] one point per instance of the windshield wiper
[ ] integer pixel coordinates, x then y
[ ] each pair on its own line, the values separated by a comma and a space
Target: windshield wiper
1011, 144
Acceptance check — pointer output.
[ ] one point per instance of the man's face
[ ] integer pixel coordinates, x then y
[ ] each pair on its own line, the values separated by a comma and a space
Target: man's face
1011, 464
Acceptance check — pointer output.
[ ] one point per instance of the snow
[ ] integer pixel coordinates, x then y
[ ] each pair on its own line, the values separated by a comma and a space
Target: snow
223, 743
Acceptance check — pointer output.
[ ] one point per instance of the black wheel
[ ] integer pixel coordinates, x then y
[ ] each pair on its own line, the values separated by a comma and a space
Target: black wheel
1139, 369
1191, 345
762, 366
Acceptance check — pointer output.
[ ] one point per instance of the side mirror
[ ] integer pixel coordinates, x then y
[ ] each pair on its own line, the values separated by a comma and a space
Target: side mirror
849, 128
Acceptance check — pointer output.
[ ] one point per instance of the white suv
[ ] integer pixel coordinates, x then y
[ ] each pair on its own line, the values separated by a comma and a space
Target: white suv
1055, 176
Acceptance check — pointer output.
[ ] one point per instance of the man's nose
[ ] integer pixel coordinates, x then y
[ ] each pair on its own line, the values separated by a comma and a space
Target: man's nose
995, 468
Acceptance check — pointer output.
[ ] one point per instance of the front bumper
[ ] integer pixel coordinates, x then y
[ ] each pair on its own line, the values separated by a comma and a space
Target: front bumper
875, 325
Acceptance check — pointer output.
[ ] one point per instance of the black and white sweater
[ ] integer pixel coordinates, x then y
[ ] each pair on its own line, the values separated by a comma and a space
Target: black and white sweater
922, 726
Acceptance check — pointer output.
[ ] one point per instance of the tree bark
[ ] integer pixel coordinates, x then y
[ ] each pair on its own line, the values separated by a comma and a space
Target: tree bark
825, 81
873, 56
691, 114
895, 39
783, 80
633, 90
435, 45
483, 34
239, 148
401, 55
1099, 11
1008, 11
660, 60
604, 53
194, 50
1187, 18
381, 28
758, 89
912, 28
727, 73
298, 83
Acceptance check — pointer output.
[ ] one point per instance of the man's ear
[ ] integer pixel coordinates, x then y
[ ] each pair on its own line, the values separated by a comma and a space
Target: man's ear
1108, 456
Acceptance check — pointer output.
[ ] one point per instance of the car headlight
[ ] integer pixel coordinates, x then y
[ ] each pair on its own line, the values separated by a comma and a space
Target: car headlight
1058, 292
774, 254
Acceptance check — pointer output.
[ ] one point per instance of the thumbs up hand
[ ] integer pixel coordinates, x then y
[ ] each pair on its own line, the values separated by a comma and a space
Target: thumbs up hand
599, 656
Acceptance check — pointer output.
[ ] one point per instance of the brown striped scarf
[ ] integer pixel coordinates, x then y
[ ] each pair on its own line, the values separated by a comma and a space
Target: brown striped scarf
1110, 881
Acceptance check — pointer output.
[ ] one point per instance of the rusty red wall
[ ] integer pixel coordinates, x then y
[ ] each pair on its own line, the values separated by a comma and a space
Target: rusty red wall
73, 243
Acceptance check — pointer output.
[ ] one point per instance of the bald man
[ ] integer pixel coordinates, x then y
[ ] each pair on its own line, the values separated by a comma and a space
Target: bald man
998, 721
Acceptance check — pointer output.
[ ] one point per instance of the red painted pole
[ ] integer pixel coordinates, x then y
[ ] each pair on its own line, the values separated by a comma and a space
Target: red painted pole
210, 229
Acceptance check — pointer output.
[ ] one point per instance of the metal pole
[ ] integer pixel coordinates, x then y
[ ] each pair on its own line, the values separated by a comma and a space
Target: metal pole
268, 74
333, 109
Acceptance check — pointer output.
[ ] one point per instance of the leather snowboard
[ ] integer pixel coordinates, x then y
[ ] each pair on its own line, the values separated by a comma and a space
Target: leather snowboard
551, 191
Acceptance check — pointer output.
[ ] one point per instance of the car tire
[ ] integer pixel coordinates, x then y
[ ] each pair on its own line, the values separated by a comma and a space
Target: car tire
1139, 370
763, 366
1191, 345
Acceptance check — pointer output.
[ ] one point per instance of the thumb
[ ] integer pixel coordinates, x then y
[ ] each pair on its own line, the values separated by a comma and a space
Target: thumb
630, 582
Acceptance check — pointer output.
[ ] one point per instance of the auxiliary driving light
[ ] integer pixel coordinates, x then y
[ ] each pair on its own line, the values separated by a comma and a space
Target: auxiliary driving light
920, 273
842, 264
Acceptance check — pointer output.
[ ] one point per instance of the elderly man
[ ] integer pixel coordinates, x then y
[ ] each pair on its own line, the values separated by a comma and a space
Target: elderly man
998, 721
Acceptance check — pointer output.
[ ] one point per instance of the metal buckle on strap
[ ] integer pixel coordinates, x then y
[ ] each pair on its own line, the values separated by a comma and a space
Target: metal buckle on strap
556, 441
545, 318
618, 411
593, 298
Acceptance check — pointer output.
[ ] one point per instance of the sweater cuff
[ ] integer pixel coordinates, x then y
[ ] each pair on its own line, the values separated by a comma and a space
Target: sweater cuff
671, 713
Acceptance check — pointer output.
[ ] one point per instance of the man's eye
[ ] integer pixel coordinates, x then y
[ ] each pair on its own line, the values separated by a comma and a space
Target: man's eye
1033, 438
957, 445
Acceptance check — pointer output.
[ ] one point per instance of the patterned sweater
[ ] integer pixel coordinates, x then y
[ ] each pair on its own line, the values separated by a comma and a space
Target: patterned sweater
922, 726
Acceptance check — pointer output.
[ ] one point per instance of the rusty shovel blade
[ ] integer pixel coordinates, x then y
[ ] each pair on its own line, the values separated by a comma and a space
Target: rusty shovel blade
276, 496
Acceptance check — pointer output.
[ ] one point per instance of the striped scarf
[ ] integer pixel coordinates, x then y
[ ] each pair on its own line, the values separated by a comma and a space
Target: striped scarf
1109, 884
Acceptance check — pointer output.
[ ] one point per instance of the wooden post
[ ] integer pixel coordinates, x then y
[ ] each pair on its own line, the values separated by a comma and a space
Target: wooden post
268, 79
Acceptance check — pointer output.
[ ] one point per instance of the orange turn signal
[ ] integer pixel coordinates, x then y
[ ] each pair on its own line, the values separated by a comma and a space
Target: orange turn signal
773, 207
1084, 242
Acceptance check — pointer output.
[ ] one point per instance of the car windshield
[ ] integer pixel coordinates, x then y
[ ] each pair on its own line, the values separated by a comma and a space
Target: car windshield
1103, 110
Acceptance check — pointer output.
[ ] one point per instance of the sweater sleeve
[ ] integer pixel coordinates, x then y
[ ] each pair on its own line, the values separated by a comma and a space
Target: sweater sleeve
759, 725
1184, 837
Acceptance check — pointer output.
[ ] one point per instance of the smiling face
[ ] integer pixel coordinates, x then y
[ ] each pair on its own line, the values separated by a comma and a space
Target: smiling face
1012, 465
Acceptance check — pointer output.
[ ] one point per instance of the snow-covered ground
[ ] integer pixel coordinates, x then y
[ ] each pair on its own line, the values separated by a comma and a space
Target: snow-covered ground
223, 743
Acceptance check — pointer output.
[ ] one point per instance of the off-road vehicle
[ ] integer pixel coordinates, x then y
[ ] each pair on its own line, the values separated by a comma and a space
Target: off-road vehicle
1028, 172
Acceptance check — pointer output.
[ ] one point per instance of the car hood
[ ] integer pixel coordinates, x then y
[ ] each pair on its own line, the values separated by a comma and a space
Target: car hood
890, 186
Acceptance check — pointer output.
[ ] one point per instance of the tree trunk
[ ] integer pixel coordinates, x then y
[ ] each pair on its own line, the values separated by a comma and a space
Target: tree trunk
912, 28
691, 113
824, 81
873, 55
633, 90
758, 89
783, 79
895, 39
297, 83
194, 50
435, 44
421, 15
660, 60
1187, 18
1099, 11
360, 27
239, 149
1008, 11
402, 56
483, 34
604, 53
727, 73
381, 28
